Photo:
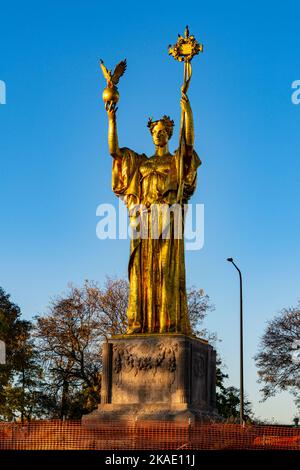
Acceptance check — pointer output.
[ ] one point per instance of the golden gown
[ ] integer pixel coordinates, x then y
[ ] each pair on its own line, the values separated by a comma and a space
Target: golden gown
157, 299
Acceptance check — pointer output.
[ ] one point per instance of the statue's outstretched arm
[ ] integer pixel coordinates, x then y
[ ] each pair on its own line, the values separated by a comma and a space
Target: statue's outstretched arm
113, 141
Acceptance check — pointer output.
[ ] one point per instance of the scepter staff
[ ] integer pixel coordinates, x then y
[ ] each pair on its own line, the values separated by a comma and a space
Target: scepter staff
184, 51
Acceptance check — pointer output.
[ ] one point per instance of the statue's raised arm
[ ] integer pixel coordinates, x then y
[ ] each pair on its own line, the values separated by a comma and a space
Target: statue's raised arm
113, 141
184, 51
111, 98
189, 137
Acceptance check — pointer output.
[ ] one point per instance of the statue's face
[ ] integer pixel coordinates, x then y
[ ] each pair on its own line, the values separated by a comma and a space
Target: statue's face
159, 135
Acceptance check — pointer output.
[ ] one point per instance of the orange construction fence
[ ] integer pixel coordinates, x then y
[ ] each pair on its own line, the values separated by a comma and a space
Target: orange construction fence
64, 435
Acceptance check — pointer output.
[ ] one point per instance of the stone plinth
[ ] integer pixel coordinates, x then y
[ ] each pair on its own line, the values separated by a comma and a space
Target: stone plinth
158, 377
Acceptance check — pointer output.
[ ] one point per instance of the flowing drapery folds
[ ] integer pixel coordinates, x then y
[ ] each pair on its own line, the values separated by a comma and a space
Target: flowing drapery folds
149, 187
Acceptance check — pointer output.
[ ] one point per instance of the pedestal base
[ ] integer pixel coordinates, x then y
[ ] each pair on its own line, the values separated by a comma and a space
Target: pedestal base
156, 377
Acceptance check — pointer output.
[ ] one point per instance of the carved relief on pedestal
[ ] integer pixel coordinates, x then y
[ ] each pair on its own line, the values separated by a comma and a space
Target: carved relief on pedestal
198, 366
199, 379
143, 357
144, 371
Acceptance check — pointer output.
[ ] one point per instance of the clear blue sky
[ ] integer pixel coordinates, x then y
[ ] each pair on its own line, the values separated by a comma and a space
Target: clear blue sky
55, 167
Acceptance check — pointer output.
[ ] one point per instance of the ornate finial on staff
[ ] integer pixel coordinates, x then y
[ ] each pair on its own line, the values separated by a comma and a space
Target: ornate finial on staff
186, 47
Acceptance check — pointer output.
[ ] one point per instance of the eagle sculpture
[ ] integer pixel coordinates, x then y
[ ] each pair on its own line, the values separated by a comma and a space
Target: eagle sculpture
113, 79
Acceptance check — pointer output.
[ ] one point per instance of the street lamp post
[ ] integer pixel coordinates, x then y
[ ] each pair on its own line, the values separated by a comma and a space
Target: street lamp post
241, 344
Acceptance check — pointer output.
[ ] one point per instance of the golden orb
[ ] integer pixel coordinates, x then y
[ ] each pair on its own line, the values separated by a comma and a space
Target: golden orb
110, 94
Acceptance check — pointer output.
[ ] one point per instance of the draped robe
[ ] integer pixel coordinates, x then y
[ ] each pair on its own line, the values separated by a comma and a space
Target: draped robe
157, 296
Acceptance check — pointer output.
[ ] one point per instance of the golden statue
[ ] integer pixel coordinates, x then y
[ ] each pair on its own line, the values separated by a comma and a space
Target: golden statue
157, 299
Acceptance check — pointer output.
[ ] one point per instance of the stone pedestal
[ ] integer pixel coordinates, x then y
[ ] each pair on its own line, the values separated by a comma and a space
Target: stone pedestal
156, 377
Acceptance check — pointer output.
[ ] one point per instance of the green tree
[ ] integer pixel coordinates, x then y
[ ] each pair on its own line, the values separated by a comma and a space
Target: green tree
278, 357
228, 398
19, 376
69, 339
199, 306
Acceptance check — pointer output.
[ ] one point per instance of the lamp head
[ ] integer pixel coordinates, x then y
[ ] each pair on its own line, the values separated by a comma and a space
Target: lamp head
230, 260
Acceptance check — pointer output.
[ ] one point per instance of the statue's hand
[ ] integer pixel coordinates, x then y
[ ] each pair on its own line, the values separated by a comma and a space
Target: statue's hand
111, 109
